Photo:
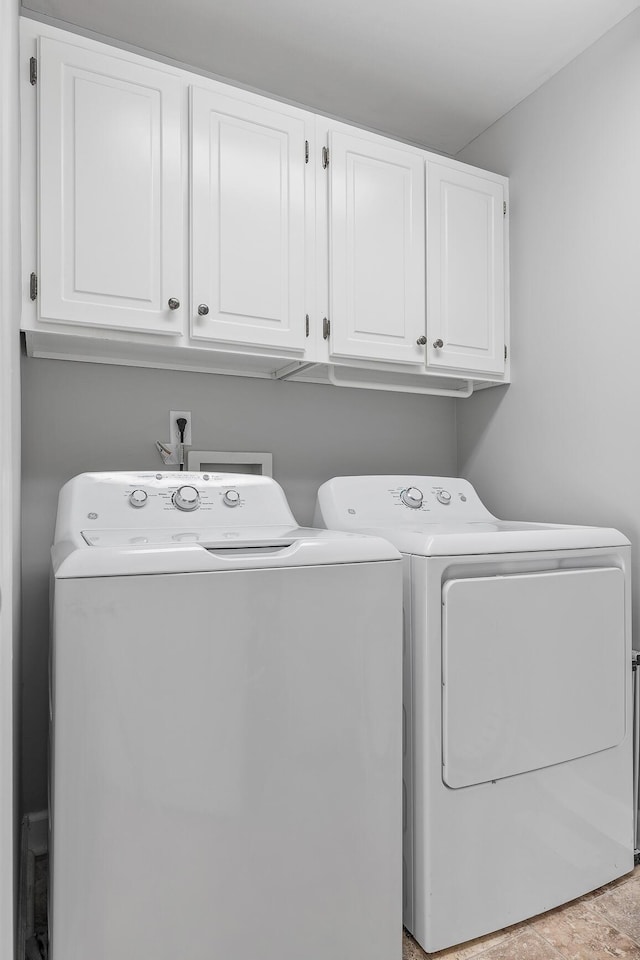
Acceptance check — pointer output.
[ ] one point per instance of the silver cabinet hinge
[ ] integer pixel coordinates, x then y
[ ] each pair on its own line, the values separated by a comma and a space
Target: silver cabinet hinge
306, 151
33, 286
33, 70
326, 328
306, 325
505, 351
325, 157
504, 208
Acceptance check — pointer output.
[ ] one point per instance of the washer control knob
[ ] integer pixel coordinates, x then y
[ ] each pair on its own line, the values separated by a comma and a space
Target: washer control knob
138, 498
231, 498
412, 497
186, 498
443, 496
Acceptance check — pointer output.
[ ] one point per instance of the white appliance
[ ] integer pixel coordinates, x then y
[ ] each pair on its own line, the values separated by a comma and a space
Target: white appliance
226, 726
517, 698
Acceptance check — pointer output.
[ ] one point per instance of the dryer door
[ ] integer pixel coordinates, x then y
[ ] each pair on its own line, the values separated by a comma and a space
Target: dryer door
533, 671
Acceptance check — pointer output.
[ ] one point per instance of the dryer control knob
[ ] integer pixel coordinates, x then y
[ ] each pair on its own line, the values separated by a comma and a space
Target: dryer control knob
231, 498
412, 497
443, 496
186, 498
138, 498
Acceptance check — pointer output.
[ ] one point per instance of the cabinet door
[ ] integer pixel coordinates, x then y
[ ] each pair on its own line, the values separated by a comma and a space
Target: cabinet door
376, 255
248, 222
111, 191
465, 270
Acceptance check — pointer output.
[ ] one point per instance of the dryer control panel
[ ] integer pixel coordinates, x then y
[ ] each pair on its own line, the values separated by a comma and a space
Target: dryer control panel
355, 502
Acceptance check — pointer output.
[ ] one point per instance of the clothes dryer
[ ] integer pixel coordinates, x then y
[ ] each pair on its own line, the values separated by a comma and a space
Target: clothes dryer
517, 773
225, 726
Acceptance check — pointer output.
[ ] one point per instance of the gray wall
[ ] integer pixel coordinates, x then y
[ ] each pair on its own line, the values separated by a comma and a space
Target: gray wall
563, 441
79, 417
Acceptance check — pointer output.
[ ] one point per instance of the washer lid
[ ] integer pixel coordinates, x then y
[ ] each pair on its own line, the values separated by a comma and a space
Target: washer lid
115, 553
209, 537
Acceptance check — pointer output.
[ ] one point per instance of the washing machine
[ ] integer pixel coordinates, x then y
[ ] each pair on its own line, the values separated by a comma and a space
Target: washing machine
225, 726
517, 773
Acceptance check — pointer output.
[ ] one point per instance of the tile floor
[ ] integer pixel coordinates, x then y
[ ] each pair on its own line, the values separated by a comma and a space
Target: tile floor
599, 926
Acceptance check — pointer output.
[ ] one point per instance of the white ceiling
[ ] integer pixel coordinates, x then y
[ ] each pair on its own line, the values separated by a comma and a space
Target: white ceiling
437, 72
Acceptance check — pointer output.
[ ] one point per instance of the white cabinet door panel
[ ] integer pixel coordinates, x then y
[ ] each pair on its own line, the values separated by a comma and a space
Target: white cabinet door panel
465, 270
111, 191
376, 250
248, 222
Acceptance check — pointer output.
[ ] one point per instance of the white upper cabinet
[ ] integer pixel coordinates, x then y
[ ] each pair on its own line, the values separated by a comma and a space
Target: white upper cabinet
376, 249
249, 222
171, 220
465, 270
111, 225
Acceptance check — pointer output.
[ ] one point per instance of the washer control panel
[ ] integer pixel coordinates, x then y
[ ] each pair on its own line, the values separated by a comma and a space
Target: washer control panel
412, 497
231, 498
186, 498
202, 492
175, 501
389, 500
138, 498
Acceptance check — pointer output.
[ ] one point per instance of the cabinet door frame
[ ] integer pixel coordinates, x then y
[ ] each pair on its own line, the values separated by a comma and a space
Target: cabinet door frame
486, 356
60, 63
294, 128
334, 234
